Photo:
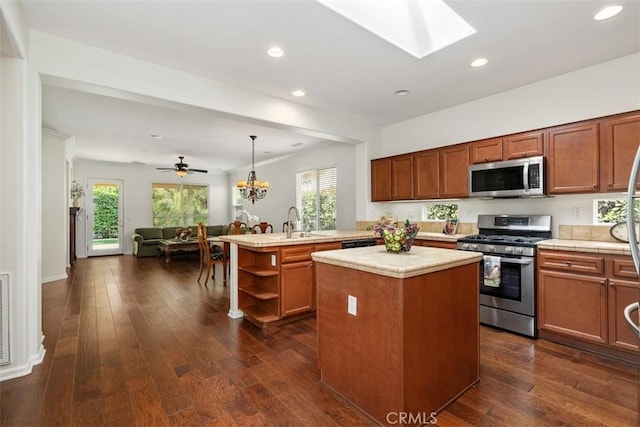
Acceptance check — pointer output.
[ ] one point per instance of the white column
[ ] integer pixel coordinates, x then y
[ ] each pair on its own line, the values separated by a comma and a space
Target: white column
234, 311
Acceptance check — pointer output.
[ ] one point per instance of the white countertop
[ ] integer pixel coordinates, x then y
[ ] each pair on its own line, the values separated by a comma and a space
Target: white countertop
612, 248
375, 259
280, 239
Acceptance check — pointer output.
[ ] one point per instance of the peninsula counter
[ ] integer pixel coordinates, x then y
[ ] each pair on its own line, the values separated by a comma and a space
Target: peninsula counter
398, 333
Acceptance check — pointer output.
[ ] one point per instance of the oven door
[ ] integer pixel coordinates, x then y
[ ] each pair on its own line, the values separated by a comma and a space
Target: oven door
515, 291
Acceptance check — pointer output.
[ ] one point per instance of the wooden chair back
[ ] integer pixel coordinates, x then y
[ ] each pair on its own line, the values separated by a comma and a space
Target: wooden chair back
237, 227
262, 228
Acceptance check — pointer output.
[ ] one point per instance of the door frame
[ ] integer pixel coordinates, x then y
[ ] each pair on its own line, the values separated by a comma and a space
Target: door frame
119, 250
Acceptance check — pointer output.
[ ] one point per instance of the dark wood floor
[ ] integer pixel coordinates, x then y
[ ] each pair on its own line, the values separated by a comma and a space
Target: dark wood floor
137, 342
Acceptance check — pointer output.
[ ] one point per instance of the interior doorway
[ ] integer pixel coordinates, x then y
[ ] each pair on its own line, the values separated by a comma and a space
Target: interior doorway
105, 213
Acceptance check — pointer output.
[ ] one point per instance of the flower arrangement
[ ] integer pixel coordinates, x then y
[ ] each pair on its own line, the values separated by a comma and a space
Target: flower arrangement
77, 191
397, 239
183, 233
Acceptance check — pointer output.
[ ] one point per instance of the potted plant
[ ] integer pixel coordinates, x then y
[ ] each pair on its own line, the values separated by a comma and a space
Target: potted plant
77, 191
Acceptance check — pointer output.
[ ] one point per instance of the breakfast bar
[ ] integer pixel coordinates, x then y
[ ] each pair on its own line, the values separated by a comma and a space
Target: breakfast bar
398, 333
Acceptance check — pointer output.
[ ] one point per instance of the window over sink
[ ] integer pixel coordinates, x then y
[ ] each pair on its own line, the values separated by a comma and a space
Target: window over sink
440, 211
611, 211
316, 196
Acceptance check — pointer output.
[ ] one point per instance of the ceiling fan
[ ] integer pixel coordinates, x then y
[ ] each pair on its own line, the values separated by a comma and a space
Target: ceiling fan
181, 168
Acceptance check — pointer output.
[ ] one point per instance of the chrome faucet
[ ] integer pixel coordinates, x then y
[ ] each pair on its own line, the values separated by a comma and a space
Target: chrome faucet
289, 227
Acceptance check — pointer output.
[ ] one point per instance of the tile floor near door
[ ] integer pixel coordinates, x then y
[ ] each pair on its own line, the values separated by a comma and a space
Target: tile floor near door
138, 342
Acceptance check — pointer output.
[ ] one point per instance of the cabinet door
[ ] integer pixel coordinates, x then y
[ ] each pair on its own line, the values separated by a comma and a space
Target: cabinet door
297, 294
528, 144
487, 150
381, 180
573, 305
426, 169
454, 171
621, 294
620, 140
402, 178
573, 158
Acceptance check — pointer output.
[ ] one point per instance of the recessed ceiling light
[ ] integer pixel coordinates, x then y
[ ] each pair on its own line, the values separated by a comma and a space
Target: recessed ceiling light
298, 93
275, 52
156, 136
402, 92
480, 62
607, 12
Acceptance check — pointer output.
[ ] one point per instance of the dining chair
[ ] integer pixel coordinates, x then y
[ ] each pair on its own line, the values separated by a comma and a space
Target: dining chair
238, 227
209, 255
262, 228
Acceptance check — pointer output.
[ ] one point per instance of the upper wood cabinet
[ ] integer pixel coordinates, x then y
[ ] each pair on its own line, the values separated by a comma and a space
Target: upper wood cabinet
527, 144
454, 171
573, 158
381, 179
620, 137
402, 177
426, 171
486, 150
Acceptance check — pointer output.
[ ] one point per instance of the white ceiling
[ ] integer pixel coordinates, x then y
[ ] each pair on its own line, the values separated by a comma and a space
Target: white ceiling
341, 66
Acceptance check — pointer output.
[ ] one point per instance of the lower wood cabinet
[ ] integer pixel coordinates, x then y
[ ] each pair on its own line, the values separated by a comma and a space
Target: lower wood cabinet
297, 288
581, 297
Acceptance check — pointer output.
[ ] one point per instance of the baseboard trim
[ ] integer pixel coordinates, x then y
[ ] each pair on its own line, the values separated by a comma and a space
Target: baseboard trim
10, 371
54, 278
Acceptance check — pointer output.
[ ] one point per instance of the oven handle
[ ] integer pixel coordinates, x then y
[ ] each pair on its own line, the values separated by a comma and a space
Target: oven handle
525, 261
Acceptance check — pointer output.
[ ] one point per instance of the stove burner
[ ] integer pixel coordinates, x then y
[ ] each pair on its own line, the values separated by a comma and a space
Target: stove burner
499, 238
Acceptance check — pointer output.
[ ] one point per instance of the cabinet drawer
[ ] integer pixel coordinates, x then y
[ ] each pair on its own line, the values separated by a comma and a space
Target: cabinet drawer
624, 268
328, 246
296, 253
568, 262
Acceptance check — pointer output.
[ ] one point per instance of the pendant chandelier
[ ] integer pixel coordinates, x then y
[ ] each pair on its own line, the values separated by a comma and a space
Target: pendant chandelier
252, 189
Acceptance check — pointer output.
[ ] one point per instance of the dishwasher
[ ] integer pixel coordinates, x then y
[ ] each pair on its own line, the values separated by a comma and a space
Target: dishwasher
349, 244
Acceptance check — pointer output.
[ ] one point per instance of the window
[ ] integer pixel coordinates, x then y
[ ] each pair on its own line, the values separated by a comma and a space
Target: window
440, 212
316, 198
178, 204
610, 211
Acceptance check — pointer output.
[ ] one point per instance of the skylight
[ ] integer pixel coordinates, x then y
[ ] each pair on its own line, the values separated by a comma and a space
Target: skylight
419, 27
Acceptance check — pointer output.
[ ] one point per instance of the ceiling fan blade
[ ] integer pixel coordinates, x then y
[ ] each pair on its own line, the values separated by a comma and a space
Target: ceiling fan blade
165, 169
198, 170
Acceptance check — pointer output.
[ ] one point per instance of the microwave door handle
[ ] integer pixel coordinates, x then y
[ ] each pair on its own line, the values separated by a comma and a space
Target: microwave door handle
525, 176
523, 261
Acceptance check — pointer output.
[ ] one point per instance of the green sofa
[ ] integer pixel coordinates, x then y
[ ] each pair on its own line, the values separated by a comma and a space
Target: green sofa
145, 240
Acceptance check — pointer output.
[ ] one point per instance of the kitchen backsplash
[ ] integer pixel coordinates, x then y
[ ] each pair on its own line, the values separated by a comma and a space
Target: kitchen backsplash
465, 228
598, 233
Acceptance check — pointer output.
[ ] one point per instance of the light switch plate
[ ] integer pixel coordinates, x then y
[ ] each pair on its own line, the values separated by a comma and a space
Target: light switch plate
352, 305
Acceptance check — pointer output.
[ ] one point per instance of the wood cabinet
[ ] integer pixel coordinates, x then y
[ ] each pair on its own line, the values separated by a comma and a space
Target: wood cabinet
573, 158
581, 296
486, 150
454, 175
381, 180
298, 295
259, 285
620, 137
436, 244
526, 144
402, 177
426, 170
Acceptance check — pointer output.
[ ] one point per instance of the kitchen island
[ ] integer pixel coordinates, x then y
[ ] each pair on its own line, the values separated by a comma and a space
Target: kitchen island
398, 333
271, 275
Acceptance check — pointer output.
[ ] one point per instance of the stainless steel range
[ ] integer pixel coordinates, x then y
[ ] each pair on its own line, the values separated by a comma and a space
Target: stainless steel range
507, 273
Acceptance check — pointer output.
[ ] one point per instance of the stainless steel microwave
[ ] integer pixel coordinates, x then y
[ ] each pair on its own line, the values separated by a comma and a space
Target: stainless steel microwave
509, 178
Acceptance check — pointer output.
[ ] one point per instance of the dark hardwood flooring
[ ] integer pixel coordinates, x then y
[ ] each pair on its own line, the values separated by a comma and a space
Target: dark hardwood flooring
137, 342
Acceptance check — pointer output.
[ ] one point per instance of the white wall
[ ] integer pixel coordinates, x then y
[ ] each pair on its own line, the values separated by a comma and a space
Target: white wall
137, 195
55, 213
604, 89
20, 192
282, 181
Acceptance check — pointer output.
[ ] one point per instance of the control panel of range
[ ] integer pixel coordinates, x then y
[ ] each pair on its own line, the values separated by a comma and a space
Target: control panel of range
497, 249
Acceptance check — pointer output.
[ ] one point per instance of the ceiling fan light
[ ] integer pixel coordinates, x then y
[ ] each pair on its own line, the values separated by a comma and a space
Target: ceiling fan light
181, 172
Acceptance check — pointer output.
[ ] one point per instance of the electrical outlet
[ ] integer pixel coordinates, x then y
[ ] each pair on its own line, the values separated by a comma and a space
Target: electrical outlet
577, 212
273, 260
352, 305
